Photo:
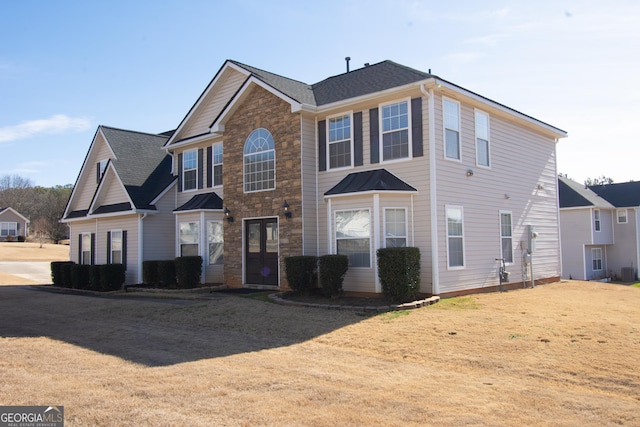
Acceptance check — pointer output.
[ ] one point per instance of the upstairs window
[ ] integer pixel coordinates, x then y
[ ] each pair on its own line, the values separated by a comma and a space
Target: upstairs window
482, 139
451, 129
190, 170
259, 161
596, 219
340, 141
217, 164
622, 216
395, 131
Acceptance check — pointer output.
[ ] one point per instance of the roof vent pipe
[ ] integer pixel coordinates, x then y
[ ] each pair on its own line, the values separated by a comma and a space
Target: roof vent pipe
348, 58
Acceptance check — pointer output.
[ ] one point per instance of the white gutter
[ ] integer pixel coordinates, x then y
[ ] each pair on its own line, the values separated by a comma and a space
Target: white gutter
433, 200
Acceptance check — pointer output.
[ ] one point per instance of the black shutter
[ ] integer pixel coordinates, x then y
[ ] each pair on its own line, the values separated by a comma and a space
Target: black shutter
322, 145
80, 248
374, 139
357, 139
97, 172
209, 166
180, 172
200, 167
93, 248
108, 247
124, 248
416, 126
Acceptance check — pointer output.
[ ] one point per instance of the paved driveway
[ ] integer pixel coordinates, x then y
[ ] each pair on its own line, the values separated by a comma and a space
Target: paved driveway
37, 271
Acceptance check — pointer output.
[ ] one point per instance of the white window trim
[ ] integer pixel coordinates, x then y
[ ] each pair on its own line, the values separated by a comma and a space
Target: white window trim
351, 145
102, 168
594, 258
214, 164
15, 227
444, 130
198, 240
82, 249
208, 243
275, 165
184, 170
464, 257
598, 220
381, 132
110, 254
475, 113
406, 225
626, 216
504, 237
371, 243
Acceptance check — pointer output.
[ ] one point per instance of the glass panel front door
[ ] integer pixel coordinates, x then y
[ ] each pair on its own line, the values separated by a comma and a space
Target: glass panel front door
261, 252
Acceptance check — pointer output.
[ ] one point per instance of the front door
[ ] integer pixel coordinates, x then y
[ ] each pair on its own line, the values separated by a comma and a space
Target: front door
261, 251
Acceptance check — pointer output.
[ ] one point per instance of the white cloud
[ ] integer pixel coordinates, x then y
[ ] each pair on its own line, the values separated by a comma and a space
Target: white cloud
56, 124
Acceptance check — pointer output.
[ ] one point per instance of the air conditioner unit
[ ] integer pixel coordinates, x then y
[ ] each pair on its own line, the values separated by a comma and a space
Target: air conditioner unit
628, 274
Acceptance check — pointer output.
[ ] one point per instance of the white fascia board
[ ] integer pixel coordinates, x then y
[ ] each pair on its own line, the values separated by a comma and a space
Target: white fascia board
218, 125
190, 141
440, 84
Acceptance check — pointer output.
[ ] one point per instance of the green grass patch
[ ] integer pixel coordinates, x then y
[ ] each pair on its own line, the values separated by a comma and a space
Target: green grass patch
636, 285
458, 303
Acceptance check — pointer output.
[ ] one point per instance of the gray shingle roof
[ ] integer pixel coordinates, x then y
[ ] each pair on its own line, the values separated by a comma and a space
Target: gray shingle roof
572, 194
143, 167
622, 195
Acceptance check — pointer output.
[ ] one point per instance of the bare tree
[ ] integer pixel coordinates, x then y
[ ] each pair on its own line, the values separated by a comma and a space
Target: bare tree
601, 180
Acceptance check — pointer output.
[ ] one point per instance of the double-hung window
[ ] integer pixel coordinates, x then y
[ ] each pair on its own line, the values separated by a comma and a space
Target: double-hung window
451, 129
115, 247
482, 139
395, 131
215, 238
259, 161
85, 248
189, 237
506, 237
190, 170
596, 219
353, 236
8, 229
596, 259
217, 164
622, 216
455, 237
395, 227
340, 141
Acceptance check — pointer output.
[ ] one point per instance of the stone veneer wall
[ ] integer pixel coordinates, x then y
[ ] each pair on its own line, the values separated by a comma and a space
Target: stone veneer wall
261, 109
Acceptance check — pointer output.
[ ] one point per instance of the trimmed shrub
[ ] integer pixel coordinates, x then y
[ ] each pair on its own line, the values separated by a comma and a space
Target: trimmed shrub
301, 272
21, 238
399, 272
150, 272
112, 277
56, 272
65, 273
94, 278
188, 270
167, 273
80, 276
332, 269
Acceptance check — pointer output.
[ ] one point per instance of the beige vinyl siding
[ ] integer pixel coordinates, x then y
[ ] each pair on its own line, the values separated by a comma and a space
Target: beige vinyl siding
128, 223
87, 182
111, 192
624, 253
158, 229
8, 216
212, 104
575, 225
309, 187
520, 160
607, 220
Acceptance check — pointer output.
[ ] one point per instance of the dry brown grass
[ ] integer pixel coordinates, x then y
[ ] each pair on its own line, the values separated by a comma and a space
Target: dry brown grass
30, 251
559, 354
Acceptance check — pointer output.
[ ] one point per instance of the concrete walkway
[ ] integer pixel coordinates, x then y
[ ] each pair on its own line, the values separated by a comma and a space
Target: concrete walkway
37, 271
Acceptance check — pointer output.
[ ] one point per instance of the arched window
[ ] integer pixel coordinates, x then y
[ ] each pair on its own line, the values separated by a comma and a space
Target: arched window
259, 161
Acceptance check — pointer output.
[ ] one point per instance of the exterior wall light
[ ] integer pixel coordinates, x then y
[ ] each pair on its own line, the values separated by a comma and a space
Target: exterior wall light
469, 172
227, 213
285, 206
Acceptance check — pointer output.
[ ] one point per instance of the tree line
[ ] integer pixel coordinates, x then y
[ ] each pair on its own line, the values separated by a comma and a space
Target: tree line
43, 206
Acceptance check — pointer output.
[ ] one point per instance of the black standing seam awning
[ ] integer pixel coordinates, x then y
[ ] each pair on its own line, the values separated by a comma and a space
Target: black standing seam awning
210, 201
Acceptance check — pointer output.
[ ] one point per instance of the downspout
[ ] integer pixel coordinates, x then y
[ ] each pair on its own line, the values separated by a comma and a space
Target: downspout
433, 208
140, 245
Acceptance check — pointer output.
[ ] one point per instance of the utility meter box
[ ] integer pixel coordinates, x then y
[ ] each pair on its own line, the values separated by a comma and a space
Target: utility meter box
532, 235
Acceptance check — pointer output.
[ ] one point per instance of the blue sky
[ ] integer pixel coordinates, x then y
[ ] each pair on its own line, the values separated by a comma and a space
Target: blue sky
68, 66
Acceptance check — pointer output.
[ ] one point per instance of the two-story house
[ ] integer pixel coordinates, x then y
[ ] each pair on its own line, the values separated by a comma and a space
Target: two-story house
269, 167
600, 235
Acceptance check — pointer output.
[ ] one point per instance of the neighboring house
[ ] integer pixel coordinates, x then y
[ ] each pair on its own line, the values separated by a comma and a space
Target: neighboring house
12, 224
599, 225
268, 167
120, 207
